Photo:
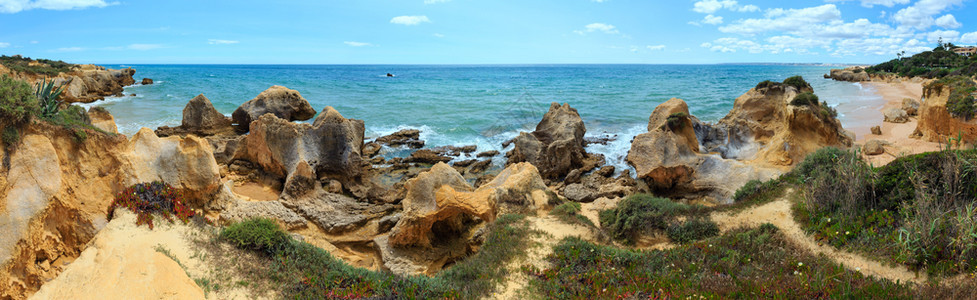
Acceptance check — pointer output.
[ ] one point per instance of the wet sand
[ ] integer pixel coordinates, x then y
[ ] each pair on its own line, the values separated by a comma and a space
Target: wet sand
894, 133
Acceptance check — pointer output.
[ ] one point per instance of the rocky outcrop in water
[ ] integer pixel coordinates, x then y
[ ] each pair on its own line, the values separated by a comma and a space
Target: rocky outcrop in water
282, 102
852, 74
556, 147
199, 118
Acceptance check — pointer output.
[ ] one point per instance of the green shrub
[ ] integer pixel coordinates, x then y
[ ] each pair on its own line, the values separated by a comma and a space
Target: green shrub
47, 95
816, 161
257, 234
766, 84
960, 103
693, 229
675, 121
639, 213
827, 112
797, 82
805, 98
569, 212
857, 70
17, 102
751, 187
146, 199
10, 136
45, 67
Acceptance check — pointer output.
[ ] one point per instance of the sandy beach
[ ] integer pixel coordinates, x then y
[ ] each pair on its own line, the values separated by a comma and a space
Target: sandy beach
894, 133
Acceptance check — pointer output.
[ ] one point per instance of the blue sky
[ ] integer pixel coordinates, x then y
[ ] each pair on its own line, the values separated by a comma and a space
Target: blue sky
480, 31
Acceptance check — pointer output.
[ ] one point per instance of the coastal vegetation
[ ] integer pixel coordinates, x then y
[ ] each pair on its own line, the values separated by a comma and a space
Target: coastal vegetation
42, 67
938, 63
150, 199
746, 263
301, 270
960, 104
643, 214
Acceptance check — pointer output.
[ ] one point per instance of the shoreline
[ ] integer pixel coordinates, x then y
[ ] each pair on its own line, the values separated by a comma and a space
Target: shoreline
898, 135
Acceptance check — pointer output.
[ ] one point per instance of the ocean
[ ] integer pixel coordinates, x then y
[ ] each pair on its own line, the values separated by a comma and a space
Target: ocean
483, 105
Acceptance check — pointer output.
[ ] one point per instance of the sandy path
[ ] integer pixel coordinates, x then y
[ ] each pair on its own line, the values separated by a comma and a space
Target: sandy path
897, 134
779, 214
554, 231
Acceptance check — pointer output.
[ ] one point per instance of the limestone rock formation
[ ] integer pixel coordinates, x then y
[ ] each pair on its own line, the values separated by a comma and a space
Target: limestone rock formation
876, 130
243, 210
761, 134
278, 100
146, 81
102, 119
896, 115
331, 146
199, 118
92, 84
431, 198
442, 213
49, 218
853, 74
936, 124
556, 146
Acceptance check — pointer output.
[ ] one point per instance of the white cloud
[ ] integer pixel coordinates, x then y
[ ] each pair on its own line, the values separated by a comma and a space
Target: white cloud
936, 35
605, 28
948, 21
656, 48
144, 47
34, 42
69, 49
438, 35
15, 6
969, 38
779, 19
221, 42
357, 44
410, 20
4, 45
712, 20
600, 1
712, 6
920, 15
435, 1
886, 3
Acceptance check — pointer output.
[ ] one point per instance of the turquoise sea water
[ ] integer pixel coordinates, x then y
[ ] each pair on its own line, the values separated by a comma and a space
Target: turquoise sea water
464, 105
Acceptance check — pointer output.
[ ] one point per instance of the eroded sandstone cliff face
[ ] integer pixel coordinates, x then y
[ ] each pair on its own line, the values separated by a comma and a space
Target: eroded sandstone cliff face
83, 83
55, 189
936, 124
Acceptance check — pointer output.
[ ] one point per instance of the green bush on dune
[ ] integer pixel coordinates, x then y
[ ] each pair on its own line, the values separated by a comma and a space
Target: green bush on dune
797, 82
17, 102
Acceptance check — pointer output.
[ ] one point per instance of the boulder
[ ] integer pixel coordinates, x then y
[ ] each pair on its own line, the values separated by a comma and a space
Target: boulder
556, 146
146, 81
876, 130
92, 84
911, 106
102, 119
331, 145
896, 115
490, 153
199, 118
277, 100
873, 147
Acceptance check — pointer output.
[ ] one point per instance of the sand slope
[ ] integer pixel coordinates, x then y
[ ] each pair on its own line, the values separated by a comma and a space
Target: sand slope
121, 262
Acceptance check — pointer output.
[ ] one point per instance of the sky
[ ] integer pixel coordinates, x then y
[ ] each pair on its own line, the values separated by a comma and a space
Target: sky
481, 31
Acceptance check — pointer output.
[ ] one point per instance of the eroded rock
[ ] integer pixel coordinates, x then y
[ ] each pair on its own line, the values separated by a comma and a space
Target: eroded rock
556, 146
277, 100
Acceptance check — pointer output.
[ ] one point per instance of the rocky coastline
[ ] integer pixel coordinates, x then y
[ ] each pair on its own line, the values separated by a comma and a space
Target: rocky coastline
82, 83
326, 183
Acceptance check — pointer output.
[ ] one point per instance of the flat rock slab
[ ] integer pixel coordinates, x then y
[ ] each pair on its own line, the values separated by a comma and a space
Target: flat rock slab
336, 213
244, 210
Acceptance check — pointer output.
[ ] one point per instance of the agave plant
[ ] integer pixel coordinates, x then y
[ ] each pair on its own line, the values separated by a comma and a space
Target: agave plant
47, 95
